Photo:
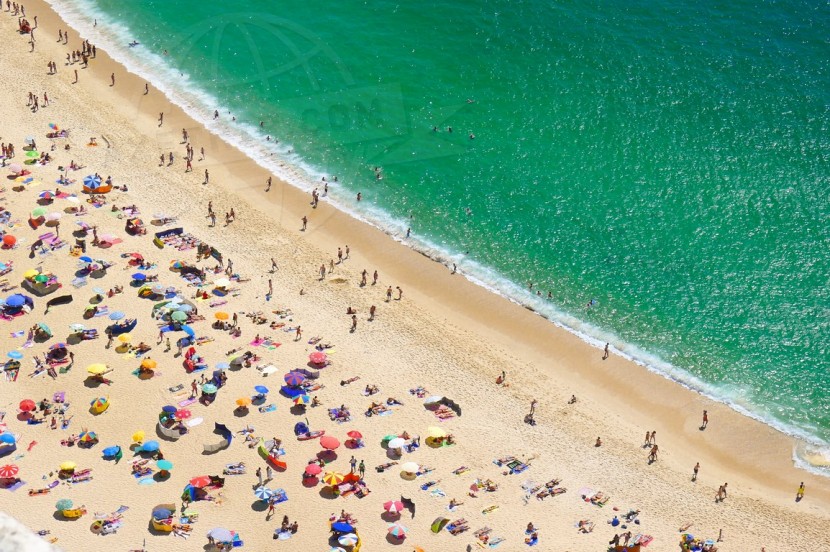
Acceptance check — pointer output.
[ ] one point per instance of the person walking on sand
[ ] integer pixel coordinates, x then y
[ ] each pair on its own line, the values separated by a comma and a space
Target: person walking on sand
705, 420
375, 277
605, 354
354, 323
161, 118
112, 79
352, 464
389, 294
371, 313
207, 177
799, 495
652, 455
269, 473
298, 335
362, 469
194, 389
363, 276
694, 474
533, 404
400, 292
273, 265
259, 476
305, 223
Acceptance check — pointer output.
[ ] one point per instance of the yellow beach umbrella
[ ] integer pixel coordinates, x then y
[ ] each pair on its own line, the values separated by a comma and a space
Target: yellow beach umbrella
68, 465
243, 401
221, 315
138, 436
31, 273
96, 369
333, 478
148, 363
436, 432
125, 338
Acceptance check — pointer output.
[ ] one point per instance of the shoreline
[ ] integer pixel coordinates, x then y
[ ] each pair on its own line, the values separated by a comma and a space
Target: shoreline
751, 455
590, 334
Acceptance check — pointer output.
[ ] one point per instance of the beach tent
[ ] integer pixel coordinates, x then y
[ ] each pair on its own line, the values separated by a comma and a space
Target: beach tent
227, 437
438, 524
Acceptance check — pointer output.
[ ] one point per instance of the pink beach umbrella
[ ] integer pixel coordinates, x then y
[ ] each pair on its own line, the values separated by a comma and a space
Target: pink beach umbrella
313, 469
294, 378
9, 471
329, 443
183, 414
318, 357
393, 506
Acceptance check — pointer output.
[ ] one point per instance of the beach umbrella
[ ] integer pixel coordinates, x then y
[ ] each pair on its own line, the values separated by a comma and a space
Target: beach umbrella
170, 409
220, 534
396, 443
410, 467
313, 469
57, 346
263, 493
96, 369
162, 511
17, 355
200, 481
436, 432
27, 405
302, 400
393, 506
46, 195
125, 338
328, 442
435, 399
31, 273
9, 240
7, 438
243, 401
355, 434
100, 404
117, 315
41, 278
178, 316
158, 288
32, 154
52, 217
318, 357
150, 446
15, 300
16, 168
77, 327
294, 379
138, 436
68, 465
44, 328
221, 315
30, 139
209, 388
148, 363
222, 283
139, 276
261, 389
92, 181
9, 470
183, 414
165, 465
107, 238
333, 478
342, 527
88, 436
397, 530
223, 366
349, 539
64, 504
337, 549
111, 451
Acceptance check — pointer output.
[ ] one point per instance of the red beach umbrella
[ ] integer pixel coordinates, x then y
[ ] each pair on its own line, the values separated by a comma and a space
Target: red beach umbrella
355, 434
183, 414
294, 378
10, 470
27, 405
328, 442
200, 481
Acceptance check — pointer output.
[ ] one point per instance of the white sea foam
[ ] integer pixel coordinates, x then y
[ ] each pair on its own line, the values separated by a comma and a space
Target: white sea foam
278, 158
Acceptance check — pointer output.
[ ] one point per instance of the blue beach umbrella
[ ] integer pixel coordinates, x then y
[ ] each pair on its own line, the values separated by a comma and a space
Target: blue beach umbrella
139, 276
165, 465
64, 504
220, 534
17, 355
162, 513
223, 366
261, 389
342, 527
92, 181
170, 409
117, 315
263, 493
15, 300
188, 330
7, 438
86, 259
150, 446
110, 451
209, 388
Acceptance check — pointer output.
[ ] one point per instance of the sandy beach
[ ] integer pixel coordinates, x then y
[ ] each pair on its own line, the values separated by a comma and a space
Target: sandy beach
445, 335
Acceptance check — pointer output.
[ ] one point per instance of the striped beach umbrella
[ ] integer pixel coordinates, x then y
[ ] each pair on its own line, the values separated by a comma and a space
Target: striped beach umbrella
263, 493
397, 530
333, 478
9, 470
294, 378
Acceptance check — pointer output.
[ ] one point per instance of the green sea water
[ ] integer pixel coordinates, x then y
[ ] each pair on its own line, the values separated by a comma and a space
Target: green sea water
667, 161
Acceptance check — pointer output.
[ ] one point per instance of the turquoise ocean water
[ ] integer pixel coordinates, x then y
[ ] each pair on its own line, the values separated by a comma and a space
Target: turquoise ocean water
667, 160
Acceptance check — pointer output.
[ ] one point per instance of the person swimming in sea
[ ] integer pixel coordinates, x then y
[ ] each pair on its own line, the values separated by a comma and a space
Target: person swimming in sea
134, 43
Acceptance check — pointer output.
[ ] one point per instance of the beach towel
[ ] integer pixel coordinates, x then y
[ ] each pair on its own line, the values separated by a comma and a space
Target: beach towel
270, 408
187, 402
490, 509
194, 422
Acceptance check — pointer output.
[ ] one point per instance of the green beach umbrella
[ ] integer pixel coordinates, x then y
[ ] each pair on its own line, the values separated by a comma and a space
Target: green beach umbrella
179, 316
64, 504
32, 153
38, 212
